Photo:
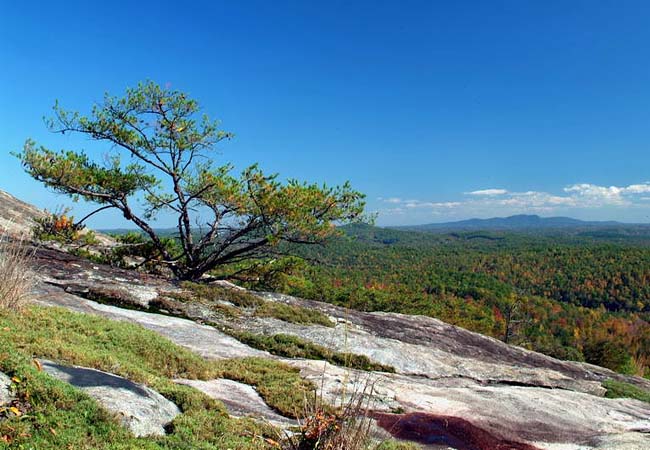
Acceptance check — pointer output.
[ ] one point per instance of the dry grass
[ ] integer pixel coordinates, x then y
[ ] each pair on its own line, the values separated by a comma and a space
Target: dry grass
346, 427
16, 277
641, 364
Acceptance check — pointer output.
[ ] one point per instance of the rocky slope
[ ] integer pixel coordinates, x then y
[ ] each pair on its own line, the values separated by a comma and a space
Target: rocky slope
451, 388
17, 219
16, 216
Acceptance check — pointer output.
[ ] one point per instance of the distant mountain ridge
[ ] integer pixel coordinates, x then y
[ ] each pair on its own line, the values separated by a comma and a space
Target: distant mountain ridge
516, 222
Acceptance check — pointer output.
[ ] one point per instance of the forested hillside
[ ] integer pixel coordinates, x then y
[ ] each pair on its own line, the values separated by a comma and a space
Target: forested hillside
570, 295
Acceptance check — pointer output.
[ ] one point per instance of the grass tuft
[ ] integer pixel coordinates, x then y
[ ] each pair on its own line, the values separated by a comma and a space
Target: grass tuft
16, 277
348, 427
397, 445
213, 294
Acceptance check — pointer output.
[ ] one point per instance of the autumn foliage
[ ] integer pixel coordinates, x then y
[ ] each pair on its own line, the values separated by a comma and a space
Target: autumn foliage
56, 225
572, 299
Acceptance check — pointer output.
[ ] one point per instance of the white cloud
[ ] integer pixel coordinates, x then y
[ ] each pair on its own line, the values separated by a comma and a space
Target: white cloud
591, 195
419, 204
495, 202
638, 188
489, 192
535, 199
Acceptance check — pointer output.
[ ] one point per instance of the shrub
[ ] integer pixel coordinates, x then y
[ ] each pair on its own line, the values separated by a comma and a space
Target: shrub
57, 226
136, 245
60, 227
133, 250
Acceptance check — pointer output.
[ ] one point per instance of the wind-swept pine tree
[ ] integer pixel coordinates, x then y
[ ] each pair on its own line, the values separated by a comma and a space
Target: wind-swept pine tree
161, 155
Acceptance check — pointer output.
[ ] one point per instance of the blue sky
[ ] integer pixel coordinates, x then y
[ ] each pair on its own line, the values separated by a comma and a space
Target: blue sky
436, 110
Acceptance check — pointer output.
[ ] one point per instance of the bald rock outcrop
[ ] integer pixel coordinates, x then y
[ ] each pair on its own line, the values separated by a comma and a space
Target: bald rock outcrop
451, 388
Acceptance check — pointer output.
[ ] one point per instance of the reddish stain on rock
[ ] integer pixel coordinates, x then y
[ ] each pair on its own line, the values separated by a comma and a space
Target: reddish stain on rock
444, 430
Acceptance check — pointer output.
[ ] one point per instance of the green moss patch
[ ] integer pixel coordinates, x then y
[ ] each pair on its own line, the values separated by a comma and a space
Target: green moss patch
293, 314
621, 389
213, 293
294, 347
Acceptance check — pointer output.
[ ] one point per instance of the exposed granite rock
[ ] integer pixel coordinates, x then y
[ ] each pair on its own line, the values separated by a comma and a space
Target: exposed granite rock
142, 410
97, 281
542, 417
16, 216
5, 392
429, 347
17, 219
202, 339
623, 441
431, 362
511, 394
452, 432
240, 399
